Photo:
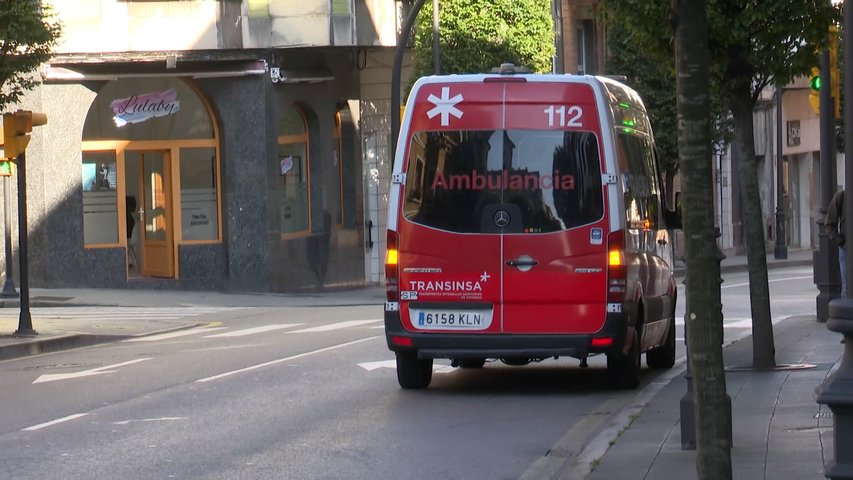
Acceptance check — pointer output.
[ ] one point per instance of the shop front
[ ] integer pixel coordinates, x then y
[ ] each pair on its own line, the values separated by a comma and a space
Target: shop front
221, 181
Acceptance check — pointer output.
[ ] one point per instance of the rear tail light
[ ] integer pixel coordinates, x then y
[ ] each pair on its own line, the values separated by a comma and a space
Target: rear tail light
392, 288
616, 272
402, 341
602, 342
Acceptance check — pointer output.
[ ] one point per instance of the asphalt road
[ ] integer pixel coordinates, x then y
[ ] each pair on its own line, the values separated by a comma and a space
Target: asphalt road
311, 393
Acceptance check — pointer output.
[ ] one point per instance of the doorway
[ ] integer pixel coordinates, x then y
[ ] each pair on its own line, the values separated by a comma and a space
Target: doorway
148, 184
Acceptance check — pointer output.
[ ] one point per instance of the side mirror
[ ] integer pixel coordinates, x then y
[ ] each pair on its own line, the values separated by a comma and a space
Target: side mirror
672, 218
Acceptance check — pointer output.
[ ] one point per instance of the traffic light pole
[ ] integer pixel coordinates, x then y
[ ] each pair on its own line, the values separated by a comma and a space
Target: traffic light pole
9, 290
25, 321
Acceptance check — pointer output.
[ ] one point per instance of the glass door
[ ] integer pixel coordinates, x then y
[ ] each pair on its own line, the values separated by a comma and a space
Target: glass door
155, 214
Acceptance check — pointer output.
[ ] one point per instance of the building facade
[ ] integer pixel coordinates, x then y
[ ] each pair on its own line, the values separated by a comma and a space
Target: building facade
237, 145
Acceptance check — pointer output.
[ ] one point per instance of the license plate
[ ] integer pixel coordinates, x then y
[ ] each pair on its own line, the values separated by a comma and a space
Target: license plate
451, 319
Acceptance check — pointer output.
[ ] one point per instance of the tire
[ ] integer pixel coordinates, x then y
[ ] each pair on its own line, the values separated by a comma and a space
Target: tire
472, 362
663, 357
623, 371
413, 372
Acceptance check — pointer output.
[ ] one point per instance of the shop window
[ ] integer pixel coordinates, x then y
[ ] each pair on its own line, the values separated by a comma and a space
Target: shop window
100, 198
292, 185
157, 116
199, 220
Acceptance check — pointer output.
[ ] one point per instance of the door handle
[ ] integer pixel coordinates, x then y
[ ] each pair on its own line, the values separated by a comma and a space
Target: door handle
522, 262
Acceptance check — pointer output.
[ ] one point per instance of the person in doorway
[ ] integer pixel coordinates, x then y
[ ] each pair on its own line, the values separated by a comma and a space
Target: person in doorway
834, 227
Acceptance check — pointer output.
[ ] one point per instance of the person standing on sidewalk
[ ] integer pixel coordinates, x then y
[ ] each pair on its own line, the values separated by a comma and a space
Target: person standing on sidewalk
834, 227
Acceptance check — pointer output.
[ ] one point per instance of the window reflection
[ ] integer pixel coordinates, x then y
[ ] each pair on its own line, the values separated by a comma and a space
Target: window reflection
100, 198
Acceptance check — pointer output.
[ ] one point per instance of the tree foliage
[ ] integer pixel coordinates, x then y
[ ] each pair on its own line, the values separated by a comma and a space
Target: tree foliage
478, 35
28, 33
653, 76
753, 44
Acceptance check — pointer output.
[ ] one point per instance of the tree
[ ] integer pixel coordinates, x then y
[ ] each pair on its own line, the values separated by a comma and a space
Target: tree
753, 45
27, 38
654, 78
478, 35
704, 311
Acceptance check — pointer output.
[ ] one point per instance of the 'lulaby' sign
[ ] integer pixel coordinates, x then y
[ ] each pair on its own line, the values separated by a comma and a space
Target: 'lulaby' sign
139, 108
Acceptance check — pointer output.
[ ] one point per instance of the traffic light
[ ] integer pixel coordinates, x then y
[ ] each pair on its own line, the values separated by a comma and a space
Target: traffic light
814, 90
7, 168
16, 131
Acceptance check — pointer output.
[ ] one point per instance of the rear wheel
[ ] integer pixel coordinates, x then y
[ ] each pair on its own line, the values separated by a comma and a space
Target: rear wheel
663, 357
623, 371
413, 372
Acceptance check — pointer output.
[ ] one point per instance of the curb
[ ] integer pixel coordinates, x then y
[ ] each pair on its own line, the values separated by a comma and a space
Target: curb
58, 343
681, 269
54, 344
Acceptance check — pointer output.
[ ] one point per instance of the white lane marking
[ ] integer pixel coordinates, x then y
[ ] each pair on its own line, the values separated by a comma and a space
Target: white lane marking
769, 281
180, 333
335, 326
86, 373
54, 422
141, 420
122, 313
286, 359
728, 322
251, 331
371, 366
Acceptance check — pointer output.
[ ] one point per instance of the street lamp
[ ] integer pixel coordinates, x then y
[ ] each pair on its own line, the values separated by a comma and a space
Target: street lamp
396, 74
781, 250
837, 390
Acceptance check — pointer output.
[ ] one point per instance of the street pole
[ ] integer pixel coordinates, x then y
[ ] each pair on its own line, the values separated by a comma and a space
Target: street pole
781, 250
9, 285
837, 391
25, 321
396, 73
436, 45
827, 275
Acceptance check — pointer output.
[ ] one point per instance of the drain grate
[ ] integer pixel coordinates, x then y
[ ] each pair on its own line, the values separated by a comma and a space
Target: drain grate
823, 415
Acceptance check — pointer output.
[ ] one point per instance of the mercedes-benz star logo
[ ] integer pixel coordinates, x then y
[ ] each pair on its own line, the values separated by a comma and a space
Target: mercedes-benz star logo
501, 218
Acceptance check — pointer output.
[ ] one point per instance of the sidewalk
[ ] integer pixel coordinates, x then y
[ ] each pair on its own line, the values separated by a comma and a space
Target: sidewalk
779, 431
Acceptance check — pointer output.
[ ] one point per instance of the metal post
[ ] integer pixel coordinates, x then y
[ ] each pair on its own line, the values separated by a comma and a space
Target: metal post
436, 45
9, 285
396, 73
781, 250
25, 321
826, 273
687, 413
837, 391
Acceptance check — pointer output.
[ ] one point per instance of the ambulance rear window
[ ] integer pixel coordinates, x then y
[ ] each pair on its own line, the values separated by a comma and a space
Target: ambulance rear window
546, 181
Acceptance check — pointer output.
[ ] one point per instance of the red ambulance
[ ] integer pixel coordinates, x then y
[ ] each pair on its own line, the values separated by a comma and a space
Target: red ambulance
527, 221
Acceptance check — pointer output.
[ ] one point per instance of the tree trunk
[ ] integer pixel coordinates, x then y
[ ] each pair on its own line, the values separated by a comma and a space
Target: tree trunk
763, 349
704, 317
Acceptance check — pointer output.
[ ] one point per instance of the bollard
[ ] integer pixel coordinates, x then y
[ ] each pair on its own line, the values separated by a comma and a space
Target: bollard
837, 393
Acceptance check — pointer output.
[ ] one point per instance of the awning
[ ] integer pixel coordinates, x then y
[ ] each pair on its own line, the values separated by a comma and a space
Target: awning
64, 71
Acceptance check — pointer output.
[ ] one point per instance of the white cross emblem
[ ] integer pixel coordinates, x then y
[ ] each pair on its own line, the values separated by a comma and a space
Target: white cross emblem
445, 106
485, 276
